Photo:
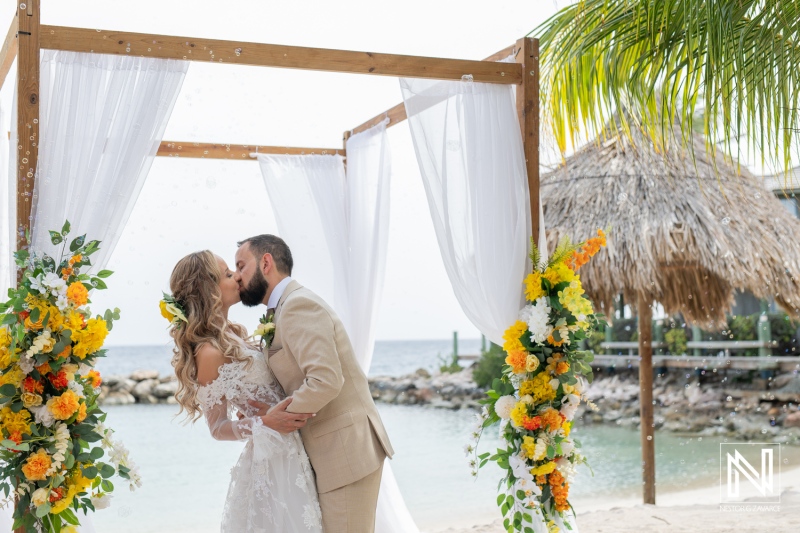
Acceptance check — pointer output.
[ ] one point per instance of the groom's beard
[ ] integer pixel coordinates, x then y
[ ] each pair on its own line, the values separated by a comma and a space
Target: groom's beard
256, 290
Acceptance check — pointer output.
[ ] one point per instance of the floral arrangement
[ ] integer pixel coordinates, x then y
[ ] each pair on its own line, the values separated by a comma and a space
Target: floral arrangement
57, 456
265, 329
543, 383
172, 310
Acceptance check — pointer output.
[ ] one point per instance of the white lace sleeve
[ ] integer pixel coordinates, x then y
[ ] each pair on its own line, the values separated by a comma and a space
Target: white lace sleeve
213, 399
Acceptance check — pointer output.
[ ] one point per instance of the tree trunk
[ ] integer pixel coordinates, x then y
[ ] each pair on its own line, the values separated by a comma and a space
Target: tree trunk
646, 399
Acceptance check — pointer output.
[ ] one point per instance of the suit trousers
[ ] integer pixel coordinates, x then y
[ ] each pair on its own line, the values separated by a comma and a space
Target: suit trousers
351, 509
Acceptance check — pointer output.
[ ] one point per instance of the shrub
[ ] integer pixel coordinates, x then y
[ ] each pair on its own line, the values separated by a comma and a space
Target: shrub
624, 329
743, 328
594, 340
784, 330
449, 365
676, 341
489, 366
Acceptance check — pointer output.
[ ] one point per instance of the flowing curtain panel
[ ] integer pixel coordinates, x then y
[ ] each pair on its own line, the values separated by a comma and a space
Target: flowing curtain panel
337, 223
469, 148
102, 120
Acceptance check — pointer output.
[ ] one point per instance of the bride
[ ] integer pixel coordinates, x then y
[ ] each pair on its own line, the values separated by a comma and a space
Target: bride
272, 486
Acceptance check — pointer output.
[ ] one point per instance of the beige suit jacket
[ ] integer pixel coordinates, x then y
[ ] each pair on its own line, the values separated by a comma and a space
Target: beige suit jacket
313, 360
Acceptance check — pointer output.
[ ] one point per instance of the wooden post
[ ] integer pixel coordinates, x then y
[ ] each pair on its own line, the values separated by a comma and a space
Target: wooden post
27, 115
528, 110
455, 346
646, 398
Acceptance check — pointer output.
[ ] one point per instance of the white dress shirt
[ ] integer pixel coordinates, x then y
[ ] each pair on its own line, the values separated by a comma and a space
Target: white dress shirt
277, 292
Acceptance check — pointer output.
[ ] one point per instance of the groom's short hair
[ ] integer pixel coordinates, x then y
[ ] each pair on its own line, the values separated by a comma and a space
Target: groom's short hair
273, 245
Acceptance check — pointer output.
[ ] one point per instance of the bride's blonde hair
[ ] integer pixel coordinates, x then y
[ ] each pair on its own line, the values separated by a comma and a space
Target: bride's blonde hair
195, 286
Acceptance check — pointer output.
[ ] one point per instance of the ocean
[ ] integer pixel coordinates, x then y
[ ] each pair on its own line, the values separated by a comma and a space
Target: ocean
186, 473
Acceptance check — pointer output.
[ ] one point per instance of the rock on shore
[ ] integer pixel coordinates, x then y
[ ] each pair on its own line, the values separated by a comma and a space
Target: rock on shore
143, 386
688, 403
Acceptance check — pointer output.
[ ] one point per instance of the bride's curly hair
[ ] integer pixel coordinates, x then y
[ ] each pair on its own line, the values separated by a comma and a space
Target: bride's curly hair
195, 286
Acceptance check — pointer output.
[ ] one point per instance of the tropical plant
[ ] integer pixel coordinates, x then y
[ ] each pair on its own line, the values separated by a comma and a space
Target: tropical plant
490, 366
734, 66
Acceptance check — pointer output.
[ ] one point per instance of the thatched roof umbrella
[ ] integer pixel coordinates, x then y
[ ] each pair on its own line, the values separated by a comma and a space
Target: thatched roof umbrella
685, 234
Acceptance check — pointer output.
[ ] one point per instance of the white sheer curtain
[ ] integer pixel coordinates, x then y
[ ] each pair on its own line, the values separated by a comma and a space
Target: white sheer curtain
337, 226
102, 120
469, 149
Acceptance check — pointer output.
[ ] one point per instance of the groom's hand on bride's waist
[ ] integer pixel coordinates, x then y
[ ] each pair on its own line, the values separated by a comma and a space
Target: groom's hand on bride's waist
278, 418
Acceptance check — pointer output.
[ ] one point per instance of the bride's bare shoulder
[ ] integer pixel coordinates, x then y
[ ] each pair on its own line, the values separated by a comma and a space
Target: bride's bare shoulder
209, 359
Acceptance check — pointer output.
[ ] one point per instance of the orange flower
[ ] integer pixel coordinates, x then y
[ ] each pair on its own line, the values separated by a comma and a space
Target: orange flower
75, 259
16, 436
56, 494
77, 294
59, 380
64, 406
518, 361
65, 353
66, 273
561, 367
94, 377
551, 420
37, 465
32, 385
560, 490
541, 480
532, 424
44, 369
81, 413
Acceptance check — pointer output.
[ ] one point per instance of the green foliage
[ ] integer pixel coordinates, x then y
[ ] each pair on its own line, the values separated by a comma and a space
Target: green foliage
623, 329
593, 341
449, 365
665, 61
676, 341
784, 330
489, 366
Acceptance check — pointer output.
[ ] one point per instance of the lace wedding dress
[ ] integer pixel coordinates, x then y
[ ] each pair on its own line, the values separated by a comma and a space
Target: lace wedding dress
272, 487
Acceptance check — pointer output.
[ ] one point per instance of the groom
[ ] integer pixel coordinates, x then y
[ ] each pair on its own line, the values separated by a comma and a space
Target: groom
313, 360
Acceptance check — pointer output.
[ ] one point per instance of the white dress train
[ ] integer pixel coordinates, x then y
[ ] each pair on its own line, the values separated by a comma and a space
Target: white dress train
272, 488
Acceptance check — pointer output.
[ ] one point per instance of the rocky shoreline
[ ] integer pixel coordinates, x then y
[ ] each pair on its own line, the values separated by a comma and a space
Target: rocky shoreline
733, 405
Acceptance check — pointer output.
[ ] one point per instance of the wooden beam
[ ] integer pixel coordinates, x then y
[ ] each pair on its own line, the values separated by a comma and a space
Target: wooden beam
528, 110
648, 437
27, 115
397, 114
9, 51
233, 152
273, 55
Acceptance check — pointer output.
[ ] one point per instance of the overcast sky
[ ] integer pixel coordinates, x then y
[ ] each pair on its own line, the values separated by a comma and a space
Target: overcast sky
188, 205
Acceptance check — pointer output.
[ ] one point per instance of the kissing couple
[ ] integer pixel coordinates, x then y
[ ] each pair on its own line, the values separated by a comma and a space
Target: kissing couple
315, 443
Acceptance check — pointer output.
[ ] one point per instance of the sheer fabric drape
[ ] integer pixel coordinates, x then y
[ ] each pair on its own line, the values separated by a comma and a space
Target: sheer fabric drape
102, 120
469, 148
336, 223
8, 194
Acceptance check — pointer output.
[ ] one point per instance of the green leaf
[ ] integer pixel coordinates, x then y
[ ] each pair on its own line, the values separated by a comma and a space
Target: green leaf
90, 472
65, 229
77, 243
104, 273
8, 390
69, 517
96, 453
98, 283
55, 237
42, 510
107, 486
107, 471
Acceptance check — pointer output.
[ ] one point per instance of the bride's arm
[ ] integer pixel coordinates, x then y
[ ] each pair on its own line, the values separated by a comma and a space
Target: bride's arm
214, 403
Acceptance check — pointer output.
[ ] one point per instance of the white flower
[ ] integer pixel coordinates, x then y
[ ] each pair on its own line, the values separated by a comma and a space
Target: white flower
43, 415
540, 450
520, 468
504, 406
40, 496
538, 318
567, 446
566, 468
101, 501
527, 399
569, 405
37, 285
77, 388
525, 313
554, 383
54, 282
263, 329
26, 364
468, 449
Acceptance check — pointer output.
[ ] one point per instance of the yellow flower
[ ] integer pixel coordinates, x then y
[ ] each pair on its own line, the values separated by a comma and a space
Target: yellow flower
91, 339
533, 286
13, 377
5, 337
13, 422
518, 413
551, 275
528, 447
566, 427
512, 335
64, 406
61, 504
36, 465
73, 322
81, 413
532, 363
70, 369
165, 312
539, 388
544, 469
31, 399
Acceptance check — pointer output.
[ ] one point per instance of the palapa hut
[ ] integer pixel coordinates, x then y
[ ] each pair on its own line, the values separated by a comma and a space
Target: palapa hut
684, 233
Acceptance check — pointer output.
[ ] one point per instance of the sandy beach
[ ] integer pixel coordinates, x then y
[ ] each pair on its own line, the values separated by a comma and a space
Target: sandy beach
695, 510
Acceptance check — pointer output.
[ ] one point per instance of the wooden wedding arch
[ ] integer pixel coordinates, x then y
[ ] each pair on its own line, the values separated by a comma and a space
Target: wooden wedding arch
27, 36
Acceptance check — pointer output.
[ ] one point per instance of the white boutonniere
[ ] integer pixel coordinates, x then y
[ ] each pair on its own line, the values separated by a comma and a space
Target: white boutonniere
265, 330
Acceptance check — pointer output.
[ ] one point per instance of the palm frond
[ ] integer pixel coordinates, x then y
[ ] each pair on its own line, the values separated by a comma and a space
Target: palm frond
535, 255
666, 60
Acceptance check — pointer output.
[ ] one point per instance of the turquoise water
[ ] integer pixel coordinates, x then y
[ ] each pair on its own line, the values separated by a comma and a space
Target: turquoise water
186, 473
